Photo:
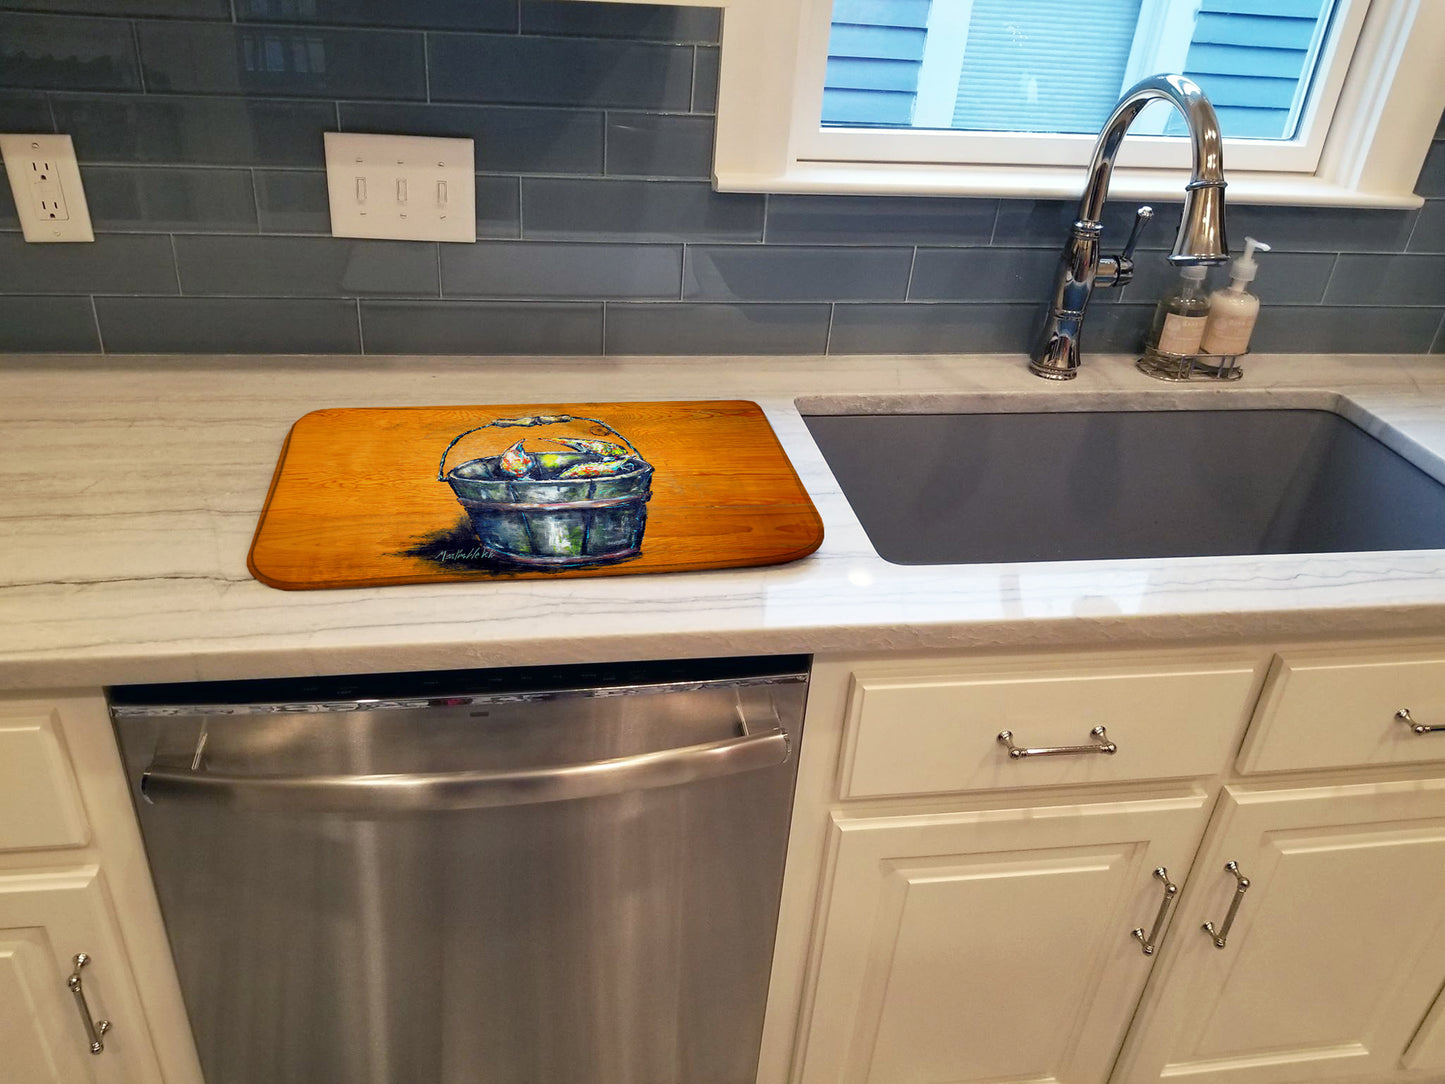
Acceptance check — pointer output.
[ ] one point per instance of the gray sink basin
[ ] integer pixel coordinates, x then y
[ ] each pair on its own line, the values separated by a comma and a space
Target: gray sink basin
981, 488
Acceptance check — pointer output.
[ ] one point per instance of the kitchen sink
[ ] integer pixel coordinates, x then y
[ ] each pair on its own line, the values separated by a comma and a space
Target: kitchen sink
980, 488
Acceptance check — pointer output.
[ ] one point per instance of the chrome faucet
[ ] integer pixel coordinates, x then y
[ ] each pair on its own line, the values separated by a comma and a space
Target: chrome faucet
1201, 229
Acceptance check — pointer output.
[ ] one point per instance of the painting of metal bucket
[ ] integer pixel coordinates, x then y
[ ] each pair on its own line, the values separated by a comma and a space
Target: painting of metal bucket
577, 502
488, 493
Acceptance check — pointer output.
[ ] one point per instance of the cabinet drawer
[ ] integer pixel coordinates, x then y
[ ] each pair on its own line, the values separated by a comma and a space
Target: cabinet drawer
1324, 711
934, 733
39, 802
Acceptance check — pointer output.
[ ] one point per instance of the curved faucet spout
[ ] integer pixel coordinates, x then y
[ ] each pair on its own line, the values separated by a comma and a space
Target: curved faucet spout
1200, 239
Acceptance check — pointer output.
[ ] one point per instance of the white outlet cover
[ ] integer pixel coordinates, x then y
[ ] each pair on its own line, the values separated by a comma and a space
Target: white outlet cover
410, 188
45, 182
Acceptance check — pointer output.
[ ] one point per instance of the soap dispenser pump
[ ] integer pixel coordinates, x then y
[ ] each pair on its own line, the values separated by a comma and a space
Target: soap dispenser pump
1233, 310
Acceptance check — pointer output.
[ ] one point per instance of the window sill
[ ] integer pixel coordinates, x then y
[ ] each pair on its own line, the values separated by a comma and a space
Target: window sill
1040, 182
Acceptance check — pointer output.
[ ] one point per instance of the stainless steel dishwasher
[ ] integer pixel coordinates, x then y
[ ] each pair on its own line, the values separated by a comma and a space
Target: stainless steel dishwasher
562, 875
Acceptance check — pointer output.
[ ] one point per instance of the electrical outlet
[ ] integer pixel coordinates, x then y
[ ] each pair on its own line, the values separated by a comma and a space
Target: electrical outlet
45, 182
412, 188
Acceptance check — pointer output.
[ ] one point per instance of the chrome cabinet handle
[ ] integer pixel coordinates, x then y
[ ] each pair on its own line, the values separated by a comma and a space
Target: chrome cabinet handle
1417, 728
93, 1028
1102, 744
1240, 889
1171, 893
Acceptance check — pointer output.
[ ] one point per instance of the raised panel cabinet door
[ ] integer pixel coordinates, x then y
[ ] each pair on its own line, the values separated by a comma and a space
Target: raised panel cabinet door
1337, 948
40, 1037
46, 918
39, 803
988, 946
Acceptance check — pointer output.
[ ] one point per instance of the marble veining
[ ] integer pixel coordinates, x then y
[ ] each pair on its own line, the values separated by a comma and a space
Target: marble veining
131, 488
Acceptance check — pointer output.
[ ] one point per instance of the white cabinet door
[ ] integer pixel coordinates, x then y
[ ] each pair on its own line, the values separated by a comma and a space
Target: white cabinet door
1337, 951
991, 945
39, 803
39, 1033
46, 918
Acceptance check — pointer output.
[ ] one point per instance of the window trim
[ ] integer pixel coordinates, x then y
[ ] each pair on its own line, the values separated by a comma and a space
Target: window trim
1390, 103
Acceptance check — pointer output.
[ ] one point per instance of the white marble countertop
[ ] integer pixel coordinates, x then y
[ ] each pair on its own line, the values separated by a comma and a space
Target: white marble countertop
129, 490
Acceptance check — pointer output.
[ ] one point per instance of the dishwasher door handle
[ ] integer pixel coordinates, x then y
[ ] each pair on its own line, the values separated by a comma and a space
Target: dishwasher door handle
167, 780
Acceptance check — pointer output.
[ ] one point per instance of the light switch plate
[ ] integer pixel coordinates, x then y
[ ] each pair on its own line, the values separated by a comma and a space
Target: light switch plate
45, 181
411, 188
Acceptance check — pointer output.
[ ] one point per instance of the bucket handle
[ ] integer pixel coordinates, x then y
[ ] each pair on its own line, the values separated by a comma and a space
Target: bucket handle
528, 421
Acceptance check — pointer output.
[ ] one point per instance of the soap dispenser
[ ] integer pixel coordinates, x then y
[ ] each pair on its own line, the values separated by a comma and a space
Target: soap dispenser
1179, 321
1233, 310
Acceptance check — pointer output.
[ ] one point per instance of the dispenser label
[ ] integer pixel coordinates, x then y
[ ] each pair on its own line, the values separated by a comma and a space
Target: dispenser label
1229, 332
1181, 334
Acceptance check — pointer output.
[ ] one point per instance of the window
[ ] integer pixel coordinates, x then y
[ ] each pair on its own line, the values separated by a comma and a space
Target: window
1353, 131
993, 65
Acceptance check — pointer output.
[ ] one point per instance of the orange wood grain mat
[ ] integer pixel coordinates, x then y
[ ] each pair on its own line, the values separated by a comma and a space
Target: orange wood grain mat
355, 500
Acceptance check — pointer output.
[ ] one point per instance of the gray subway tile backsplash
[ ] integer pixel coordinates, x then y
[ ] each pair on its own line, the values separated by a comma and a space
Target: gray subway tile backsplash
1387, 280
787, 273
705, 66
291, 201
178, 130
648, 144
63, 51
9, 219
1429, 235
171, 9
1321, 229
545, 269
934, 329
562, 208
509, 139
983, 274
558, 71
305, 267
687, 328
207, 325
481, 327
47, 325
1432, 174
314, 62
643, 22
24, 111
881, 220
499, 207
112, 264
156, 199
198, 125
1116, 328
1345, 330
432, 15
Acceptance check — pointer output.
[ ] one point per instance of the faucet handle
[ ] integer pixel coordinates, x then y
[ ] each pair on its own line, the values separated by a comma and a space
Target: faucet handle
1141, 219
1119, 270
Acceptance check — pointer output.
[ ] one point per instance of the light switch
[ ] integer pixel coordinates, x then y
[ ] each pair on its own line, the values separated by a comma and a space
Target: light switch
396, 173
